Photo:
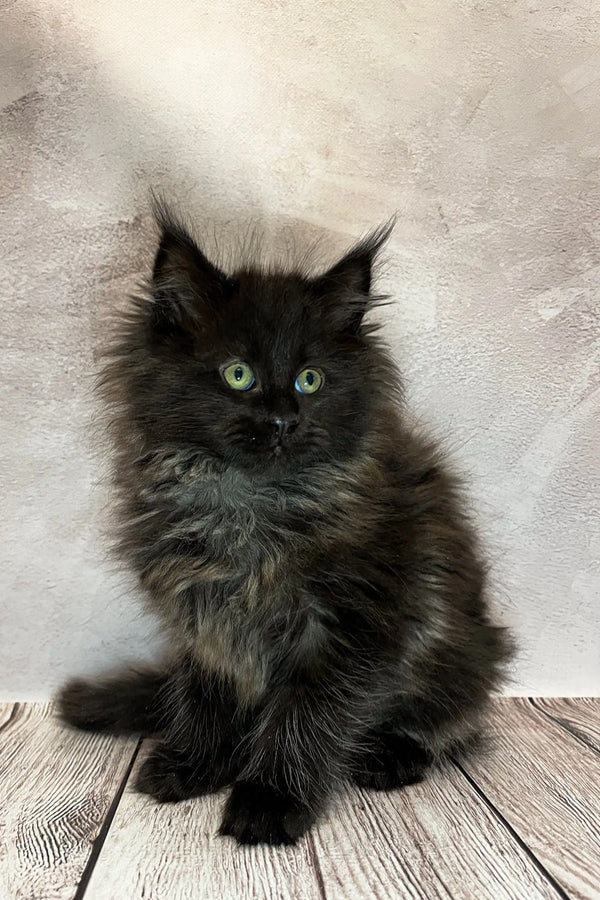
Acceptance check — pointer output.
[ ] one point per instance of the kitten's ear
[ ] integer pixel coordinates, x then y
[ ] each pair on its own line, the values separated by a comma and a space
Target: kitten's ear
344, 290
186, 285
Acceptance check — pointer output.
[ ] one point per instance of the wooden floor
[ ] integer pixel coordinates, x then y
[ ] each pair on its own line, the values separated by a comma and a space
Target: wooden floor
521, 822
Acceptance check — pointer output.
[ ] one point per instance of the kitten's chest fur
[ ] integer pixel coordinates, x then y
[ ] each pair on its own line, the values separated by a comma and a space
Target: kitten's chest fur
225, 566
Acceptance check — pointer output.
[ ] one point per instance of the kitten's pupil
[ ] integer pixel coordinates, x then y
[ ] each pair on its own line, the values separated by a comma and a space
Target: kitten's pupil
238, 373
310, 378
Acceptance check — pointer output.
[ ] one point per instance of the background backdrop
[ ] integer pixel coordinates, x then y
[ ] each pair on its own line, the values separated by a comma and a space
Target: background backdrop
478, 122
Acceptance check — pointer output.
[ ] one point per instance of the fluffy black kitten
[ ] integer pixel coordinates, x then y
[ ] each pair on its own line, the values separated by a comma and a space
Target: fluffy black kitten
307, 551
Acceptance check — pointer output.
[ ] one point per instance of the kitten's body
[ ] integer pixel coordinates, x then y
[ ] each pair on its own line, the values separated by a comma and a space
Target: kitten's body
322, 589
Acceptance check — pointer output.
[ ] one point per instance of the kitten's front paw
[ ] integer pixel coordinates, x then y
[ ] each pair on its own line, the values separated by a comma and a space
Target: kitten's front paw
167, 776
258, 814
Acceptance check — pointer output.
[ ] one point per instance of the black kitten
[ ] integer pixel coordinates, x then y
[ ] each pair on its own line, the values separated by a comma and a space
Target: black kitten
308, 553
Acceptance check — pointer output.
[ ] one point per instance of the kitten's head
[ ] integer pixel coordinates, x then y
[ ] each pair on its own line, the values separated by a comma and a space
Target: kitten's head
268, 371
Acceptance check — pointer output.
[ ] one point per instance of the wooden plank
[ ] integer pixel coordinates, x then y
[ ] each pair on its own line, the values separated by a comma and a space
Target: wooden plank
580, 715
544, 782
172, 851
436, 839
6, 711
439, 839
56, 786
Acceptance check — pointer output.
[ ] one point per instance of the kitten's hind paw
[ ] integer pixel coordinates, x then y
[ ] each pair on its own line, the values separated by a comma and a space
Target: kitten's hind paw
258, 814
393, 761
168, 776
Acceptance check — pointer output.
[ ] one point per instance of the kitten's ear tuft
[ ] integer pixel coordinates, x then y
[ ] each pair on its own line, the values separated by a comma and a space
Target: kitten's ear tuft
345, 288
185, 284
179, 259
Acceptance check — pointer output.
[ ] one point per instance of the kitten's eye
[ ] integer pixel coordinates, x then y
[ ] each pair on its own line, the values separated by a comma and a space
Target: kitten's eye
238, 376
309, 381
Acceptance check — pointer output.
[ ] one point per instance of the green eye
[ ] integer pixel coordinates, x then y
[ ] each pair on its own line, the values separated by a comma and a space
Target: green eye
309, 381
238, 376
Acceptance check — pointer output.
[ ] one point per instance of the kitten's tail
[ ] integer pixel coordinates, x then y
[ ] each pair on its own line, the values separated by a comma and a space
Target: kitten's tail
128, 702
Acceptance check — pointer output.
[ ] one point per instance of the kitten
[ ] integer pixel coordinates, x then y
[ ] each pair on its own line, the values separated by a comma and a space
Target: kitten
308, 553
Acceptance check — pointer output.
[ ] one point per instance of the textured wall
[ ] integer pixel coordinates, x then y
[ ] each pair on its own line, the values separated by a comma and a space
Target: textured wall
479, 122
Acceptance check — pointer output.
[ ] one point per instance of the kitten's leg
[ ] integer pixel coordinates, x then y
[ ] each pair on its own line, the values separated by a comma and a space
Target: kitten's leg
257, 813
393, 757
390, 760
300, 752
127, 702
196, 754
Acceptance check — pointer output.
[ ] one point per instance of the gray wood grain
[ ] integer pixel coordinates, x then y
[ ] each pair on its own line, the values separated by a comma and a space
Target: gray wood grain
442, 843
445, 838
545, 782
172, 852
580, 715
432, 840
56, 786
6, 711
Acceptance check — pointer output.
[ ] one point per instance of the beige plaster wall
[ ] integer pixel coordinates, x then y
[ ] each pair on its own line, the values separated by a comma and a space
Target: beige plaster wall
478, 122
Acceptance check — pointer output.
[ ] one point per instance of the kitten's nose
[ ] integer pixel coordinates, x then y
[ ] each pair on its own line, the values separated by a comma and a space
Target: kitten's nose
284, 426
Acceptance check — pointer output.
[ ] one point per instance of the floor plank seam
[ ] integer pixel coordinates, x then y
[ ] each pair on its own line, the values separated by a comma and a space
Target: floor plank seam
503, 821
105, 828
566, 727
12, 717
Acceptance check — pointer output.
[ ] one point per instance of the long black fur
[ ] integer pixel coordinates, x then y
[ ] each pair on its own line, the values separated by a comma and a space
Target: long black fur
322, 587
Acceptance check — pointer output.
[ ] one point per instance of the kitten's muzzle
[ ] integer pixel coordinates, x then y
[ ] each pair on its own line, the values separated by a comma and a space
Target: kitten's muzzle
284, 427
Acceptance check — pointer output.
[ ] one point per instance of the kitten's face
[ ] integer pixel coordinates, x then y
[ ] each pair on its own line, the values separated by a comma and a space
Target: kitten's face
270, 372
